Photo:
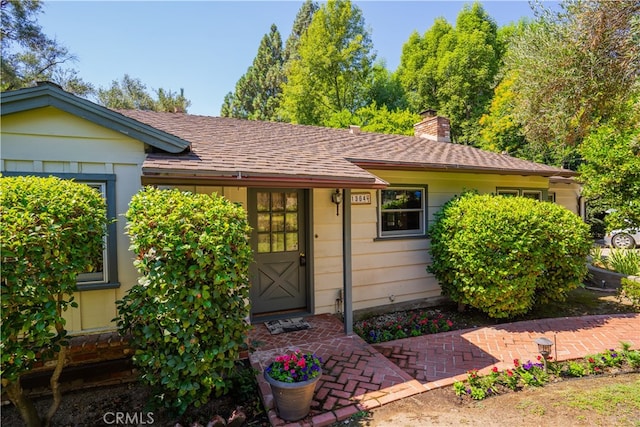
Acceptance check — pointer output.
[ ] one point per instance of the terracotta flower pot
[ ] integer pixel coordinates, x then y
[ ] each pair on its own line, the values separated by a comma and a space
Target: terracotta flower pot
293, 400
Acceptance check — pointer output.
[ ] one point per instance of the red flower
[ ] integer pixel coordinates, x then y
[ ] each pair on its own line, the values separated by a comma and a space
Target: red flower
509, 373
516, 362
495, 369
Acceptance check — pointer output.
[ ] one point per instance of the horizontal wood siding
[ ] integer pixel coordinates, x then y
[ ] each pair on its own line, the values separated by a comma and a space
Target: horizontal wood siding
390, 271
567, 195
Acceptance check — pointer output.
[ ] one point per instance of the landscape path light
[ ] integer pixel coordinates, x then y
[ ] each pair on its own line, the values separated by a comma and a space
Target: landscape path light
544, 348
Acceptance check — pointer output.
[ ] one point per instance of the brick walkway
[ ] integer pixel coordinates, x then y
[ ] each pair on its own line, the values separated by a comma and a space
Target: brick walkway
358, 376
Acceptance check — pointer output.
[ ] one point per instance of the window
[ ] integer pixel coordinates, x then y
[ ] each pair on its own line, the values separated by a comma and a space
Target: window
277, 221
536, 194
104, 272
401, 211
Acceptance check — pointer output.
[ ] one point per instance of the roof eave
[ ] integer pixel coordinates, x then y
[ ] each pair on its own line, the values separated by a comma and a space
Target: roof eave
445, 167
249, 179
50, 95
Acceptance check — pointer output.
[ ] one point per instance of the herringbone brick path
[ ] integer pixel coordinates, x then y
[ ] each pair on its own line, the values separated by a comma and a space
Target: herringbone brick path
358, 376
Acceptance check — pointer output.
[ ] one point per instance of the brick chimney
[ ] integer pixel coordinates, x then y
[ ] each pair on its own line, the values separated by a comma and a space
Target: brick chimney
433, 127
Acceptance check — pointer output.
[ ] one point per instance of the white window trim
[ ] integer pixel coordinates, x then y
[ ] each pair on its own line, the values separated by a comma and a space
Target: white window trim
404, 233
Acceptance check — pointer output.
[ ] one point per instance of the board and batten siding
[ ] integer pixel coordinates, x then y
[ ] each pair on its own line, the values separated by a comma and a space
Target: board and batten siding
48, 140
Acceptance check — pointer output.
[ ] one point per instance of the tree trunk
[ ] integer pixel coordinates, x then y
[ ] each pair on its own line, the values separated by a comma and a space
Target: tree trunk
24, 405
55, 386
55, 376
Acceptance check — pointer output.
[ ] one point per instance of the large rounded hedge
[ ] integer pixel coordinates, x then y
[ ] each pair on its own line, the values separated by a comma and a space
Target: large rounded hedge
50, 229
502, 255
186, 317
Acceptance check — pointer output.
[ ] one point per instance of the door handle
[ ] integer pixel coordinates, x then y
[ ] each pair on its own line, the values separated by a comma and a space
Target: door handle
303, 259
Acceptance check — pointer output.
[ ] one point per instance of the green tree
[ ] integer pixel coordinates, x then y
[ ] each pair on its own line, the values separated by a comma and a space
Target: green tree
500, 131
334, 66
257, 92
372, 118
453, 70
611, 171
300, 25
29, 56
171, 102
574, 69
385, 88
49, 226
418, 67
131, 94
466, 74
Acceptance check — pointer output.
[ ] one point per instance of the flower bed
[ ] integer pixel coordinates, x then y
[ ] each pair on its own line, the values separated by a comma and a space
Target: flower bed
532, 374
402, 324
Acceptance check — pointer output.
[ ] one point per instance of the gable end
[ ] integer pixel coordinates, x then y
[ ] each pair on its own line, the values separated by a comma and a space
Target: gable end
50, 95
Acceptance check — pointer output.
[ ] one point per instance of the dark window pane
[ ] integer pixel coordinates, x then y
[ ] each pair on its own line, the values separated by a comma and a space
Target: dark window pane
397, 221
401, 199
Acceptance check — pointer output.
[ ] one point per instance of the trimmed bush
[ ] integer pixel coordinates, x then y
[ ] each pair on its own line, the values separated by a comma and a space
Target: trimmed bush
49, 228
186, 317
502, 255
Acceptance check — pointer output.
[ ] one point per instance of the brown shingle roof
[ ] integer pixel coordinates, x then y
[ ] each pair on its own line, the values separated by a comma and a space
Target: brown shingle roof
224, 148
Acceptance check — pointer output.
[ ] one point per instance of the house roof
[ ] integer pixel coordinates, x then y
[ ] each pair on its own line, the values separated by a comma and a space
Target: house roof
268, 153
220, 151
47, 94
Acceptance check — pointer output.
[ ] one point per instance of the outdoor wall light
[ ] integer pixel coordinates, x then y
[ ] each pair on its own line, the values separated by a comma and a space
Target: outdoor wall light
544, 348
336, 197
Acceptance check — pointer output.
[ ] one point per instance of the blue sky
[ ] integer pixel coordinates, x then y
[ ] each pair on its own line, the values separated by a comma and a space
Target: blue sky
205, 46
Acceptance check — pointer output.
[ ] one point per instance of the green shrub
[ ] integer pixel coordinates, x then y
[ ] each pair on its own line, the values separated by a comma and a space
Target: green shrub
625, 261
49, 226
630, 289
186, 317
502, 255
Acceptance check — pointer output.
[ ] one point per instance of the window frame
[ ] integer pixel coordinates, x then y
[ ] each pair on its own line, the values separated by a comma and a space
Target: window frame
403, 234
110, 257
521, 191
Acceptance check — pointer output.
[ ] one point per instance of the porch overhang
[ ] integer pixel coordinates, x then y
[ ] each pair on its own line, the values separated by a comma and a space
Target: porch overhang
251, 179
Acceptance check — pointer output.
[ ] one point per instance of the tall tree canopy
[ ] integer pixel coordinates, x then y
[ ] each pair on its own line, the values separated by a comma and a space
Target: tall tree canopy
131, 94
29, 56
573, 69
453, 70
333, 67
300, 25
256, 92
611, 171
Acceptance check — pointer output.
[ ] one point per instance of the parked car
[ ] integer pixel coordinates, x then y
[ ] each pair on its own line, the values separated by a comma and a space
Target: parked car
624, 239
